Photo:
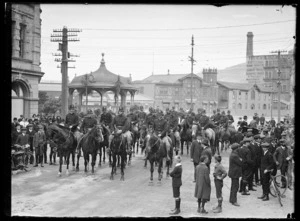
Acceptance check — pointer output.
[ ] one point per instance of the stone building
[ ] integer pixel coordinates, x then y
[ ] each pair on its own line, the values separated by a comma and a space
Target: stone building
170, 90
263, 69
246, 99
26, 52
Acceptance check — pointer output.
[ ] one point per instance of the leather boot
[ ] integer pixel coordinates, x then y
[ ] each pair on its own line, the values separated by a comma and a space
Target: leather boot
218, 209
36, 160
266, 198
262, 196
173, 210
241, 187
199, 203
177, 211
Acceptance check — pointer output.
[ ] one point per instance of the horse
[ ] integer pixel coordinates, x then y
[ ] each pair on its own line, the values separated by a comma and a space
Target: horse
185, 135
226, 136
118, 149
157, 152
66, 143
90, 143
103, 144
208, 133
135, 137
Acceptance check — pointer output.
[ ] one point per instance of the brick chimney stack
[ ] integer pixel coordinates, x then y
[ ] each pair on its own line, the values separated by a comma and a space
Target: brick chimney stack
249, 44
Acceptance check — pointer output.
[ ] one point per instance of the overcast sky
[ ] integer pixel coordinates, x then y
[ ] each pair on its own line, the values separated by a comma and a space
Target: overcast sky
141, 39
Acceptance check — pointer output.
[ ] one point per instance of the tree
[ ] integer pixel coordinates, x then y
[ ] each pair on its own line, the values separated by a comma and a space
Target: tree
43, 97
52, 105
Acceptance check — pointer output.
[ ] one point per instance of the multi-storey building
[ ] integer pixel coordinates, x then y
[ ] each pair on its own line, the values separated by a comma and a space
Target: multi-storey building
180, 90
263, 69
26, 52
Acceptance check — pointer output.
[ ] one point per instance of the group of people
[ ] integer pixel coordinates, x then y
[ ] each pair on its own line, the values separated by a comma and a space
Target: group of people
253, 159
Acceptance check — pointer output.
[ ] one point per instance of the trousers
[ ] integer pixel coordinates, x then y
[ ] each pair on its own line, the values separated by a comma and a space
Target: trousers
233, 190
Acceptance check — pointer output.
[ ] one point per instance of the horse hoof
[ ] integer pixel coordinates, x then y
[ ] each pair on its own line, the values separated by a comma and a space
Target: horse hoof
122, 178
111, 178
59, 174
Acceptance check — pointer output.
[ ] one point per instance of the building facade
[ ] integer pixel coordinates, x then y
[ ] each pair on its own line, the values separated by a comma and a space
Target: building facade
26, 52
263, 69
180, 90
246, 99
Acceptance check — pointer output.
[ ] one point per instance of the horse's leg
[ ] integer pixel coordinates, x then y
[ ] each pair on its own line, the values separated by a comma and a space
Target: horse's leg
160, 172
122, 166
110, 163
182, 142
100, 155
187, 147
77, 164
94, 157
68, 161
151, 172
73, 160
113, 166
104, 152
145, 165
86, 156
60, 164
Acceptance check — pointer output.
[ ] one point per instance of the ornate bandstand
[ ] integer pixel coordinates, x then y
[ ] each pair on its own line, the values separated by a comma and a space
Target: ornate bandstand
102, 81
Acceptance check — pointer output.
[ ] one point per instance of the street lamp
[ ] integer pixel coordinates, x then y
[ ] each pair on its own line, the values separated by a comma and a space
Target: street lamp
86, 80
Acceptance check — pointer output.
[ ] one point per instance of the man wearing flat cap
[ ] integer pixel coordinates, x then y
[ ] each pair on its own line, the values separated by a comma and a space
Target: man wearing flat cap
39, 139
266, 166
234, 172
258, 153
245, 154
252, 148
206, 152
281, 157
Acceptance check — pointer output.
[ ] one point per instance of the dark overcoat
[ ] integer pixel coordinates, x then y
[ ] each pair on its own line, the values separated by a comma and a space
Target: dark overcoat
235, 165
176, 176
203, 187
196, 151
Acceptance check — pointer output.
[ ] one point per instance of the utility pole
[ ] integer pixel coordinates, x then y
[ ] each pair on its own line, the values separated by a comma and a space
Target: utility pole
192, 64
63, 47
278, 83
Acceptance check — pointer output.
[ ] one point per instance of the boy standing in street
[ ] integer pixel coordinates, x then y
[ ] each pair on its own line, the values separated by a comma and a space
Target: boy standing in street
219, 174
176, 183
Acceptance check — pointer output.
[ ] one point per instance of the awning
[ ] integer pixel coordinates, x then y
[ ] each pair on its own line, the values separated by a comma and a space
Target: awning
188, 100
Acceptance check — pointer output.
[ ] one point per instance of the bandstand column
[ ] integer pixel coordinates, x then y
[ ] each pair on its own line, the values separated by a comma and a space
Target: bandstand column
70, 99
123, 98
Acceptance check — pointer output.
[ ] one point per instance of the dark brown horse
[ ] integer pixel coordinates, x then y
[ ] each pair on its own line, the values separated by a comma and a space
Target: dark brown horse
103, 144
118, 149
185, 136
90, 143
157, 152
66, 143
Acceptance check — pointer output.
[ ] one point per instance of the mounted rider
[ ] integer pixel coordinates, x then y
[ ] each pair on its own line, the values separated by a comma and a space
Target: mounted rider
71, 118
217, 117
173, 127
142, 115
160, 128
121, 126
106, 119
224, 120
133, 119
88, 122
150, 118
229, 116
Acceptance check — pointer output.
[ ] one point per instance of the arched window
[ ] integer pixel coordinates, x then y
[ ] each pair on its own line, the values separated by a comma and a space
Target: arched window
252, 95
239, 106
264, 106
252, 106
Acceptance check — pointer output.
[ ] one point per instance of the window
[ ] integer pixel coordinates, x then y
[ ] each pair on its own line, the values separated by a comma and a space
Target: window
264, 106
13, 27
284, 88
22, 40
233, 94
163, 91
239, 106
246, 95
176, 91
252, 95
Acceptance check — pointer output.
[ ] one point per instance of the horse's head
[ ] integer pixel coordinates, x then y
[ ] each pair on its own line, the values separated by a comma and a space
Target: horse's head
154, 144
96, 132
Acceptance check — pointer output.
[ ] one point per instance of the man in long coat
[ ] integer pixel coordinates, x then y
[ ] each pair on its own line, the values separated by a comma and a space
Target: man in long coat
234, 172
196, 151
203, 186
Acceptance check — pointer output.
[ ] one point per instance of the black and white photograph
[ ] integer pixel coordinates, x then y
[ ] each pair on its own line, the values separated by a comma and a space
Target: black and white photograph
151, 110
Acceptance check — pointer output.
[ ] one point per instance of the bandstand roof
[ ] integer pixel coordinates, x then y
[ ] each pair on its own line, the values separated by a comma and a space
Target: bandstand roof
103, 79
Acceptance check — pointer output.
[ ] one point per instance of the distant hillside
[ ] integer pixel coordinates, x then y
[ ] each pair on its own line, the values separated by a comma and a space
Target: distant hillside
235, 73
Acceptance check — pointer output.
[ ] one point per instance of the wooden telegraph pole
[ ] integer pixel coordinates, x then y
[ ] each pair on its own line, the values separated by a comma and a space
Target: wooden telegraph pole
63, 47
278, 83
192, 64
